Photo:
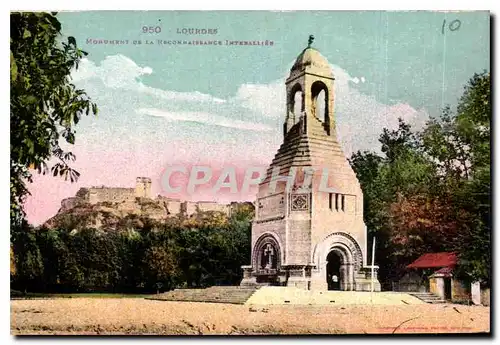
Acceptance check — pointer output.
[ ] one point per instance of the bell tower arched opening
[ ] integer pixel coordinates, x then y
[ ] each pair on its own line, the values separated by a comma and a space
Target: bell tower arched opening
298, 104
320, 103
295, 106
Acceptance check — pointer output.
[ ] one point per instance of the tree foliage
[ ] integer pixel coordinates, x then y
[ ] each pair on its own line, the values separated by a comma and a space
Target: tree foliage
430, 190
45, 106
155, 258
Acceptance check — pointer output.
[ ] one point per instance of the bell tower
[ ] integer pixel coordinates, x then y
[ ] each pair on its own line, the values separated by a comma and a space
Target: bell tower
309, 77
308, 229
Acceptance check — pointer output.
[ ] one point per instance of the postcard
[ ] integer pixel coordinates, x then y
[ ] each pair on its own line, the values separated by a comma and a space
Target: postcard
250, 172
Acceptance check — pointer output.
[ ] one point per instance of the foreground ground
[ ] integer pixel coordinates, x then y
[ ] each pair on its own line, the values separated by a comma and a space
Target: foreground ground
103, 316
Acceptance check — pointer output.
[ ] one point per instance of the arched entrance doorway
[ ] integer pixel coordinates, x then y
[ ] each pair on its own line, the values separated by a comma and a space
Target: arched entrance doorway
333, 266
337, 246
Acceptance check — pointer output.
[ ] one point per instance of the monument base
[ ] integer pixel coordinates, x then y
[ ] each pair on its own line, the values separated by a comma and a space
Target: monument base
300, 276
248, 280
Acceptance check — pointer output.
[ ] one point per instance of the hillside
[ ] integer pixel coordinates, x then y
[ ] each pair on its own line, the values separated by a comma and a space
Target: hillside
141, 213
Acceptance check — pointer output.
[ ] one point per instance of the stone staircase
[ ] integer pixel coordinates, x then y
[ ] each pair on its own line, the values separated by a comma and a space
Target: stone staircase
214, 294
428, 297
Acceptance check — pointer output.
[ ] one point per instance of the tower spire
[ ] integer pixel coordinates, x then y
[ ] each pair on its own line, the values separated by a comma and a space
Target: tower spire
310, 41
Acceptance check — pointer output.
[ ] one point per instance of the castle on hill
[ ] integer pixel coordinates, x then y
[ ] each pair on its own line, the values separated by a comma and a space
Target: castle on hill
141, 191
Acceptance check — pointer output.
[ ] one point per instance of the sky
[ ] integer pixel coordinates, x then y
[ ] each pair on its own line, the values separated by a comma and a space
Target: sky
224, 105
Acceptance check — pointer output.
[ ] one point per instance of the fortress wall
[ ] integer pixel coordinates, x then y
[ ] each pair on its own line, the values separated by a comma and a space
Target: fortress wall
143, 187
213, 206
127, 198
110, 194
189, 207
174, 206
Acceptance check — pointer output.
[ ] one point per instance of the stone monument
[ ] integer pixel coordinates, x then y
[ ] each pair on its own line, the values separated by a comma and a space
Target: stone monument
302, 235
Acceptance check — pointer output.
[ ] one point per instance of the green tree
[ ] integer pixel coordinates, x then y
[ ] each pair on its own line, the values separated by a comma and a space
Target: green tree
402, 172
155, 257
367, 166
54, 252
97, 254
44, 105
12, 262
28, 258
431, 189
242, 211
472, 125
131, 250
474, 120
161, 266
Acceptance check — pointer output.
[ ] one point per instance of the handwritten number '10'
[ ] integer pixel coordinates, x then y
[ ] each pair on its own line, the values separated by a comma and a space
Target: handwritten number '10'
454, 25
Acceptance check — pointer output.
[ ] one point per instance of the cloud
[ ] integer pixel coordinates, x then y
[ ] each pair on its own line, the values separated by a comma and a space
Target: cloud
360, 117
194, 96
117, 71
140, 128
268, 100
204, 118
121, 72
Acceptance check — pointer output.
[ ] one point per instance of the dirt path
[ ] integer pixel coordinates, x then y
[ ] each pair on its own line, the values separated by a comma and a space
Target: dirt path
140, 316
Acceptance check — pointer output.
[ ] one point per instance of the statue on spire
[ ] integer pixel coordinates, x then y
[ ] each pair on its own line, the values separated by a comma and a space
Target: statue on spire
310, 41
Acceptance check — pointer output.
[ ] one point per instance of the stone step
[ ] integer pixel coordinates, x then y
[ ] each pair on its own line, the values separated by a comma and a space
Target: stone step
428, 297
215, 294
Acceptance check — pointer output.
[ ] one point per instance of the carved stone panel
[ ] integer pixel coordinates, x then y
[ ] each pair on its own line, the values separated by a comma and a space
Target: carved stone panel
299, 202
271, 207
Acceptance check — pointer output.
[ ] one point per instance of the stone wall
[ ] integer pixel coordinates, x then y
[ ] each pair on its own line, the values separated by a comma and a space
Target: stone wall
173, 206
459, 291
328, 219
189, 208
206, 206
298, 241
107, 194
117, 194
485, 296
143, 187
436, 286
127, 198
412, 282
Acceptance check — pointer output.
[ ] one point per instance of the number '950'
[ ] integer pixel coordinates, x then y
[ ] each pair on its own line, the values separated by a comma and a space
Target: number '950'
151, 29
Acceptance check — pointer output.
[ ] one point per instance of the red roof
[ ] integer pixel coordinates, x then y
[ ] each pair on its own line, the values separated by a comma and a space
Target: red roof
435, 260
446, 271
